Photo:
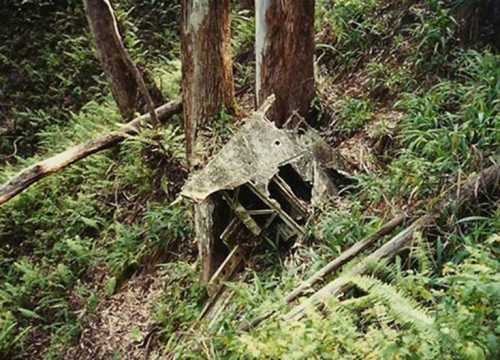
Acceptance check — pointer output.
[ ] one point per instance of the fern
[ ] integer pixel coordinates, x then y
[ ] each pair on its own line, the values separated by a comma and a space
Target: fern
402, 309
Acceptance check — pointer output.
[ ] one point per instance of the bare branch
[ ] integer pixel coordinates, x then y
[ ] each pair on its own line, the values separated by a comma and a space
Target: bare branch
58, 162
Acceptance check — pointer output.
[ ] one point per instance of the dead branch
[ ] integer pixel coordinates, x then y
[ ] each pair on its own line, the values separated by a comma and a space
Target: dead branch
343, 258
58, 162
331, 268
486, 183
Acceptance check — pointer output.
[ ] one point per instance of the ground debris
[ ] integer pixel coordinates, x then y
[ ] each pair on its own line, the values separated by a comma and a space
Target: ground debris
121, 323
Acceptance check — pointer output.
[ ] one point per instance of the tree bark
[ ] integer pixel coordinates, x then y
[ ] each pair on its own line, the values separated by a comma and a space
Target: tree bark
58, 162
123, 84
208, 88
207, 80
284, 46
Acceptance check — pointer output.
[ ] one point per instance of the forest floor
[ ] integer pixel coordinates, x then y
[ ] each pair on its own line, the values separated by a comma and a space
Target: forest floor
123, 323
96, 262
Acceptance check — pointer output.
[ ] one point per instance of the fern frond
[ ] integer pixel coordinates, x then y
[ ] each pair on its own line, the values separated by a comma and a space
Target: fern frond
403, 310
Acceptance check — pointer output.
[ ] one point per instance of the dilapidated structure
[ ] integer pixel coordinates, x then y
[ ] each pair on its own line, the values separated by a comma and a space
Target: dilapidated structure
262, 186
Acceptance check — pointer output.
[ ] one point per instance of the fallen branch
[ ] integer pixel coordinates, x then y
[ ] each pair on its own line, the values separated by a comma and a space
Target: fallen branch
331, 268
58, 162
343, 258
487, 182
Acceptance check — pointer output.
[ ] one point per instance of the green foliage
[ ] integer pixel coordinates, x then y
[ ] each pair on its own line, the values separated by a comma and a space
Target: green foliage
130, 244
384, 323
389, 80
434, 33
54, 72
352, 115
447, 129
243, 31
467, 315
353, 26
68, 229
343, 228
242, 42
71, 241
182, 300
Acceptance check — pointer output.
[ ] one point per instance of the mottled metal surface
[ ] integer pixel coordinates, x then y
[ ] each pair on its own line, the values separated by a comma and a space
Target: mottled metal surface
255, 154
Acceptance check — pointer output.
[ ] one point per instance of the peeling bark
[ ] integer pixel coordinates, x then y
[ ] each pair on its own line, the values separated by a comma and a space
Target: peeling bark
207, 85
284, 45
204, 221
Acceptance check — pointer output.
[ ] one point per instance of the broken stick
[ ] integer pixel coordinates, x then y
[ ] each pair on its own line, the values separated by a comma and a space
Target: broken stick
58, 162
487, 182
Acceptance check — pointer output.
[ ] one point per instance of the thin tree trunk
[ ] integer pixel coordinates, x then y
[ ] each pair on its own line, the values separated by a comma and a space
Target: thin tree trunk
284, 46
123, 84
208, 88
106, 12
58, 162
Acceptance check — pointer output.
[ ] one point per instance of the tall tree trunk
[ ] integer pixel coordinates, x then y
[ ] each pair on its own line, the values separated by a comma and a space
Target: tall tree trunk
284, 46
207, 86
207, 81
123, 84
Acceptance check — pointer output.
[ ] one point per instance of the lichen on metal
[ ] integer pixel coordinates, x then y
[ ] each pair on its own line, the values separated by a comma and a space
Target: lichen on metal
265, 181
254, 154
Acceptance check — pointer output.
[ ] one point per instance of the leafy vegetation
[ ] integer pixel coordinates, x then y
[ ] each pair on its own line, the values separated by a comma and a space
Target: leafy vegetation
72, 241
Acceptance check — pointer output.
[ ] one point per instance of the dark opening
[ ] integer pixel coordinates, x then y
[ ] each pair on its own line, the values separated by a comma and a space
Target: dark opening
222, 217
302, 189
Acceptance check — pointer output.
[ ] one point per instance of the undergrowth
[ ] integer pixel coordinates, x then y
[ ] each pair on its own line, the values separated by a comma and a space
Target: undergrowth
72, 241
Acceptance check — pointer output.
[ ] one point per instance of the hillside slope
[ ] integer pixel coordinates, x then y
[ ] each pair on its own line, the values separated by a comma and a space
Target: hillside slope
408, 91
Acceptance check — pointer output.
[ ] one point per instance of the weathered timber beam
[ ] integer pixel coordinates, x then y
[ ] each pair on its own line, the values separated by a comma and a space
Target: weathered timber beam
343, 258
273, 204
58, 162
487, 182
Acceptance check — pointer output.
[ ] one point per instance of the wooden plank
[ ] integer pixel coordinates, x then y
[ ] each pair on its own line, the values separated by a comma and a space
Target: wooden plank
287, 192
273, 205
242, 213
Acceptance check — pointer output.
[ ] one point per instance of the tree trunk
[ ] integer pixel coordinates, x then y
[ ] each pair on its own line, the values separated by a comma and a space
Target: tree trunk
207, 80
284, 46
123, 84
207, 86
